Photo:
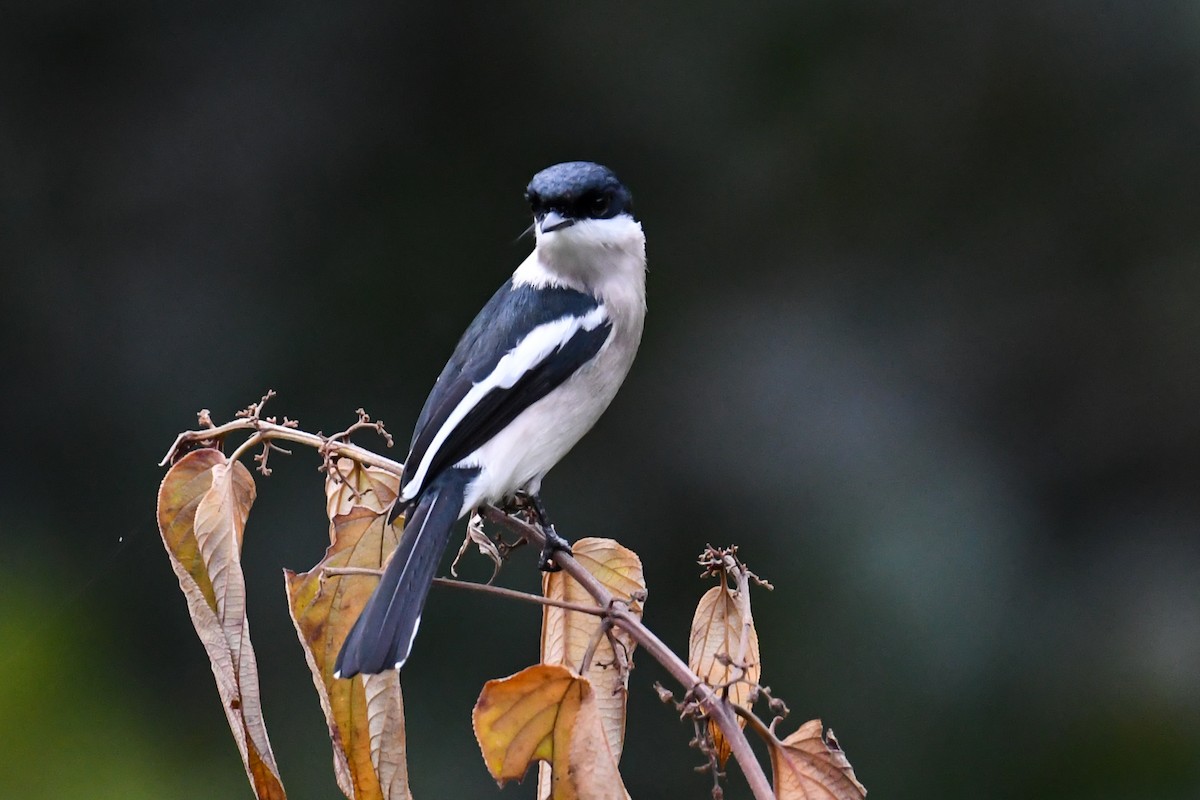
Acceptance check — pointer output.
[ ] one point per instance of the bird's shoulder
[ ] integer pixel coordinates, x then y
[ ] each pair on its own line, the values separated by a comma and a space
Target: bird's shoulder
515, 310
509, 316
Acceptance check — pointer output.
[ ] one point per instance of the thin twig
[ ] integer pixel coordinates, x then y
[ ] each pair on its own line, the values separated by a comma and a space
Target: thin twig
247, 446
483, 588
336, 571
364, 421
702, 741
755, 721
620, 656
513, 594
585, 664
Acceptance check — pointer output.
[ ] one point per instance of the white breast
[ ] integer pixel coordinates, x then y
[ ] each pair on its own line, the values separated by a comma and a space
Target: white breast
610, 264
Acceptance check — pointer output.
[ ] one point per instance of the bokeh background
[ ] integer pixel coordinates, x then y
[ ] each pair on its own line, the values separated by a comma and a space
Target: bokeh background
923, 341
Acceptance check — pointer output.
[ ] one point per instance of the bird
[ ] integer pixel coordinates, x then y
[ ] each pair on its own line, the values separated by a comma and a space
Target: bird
530, 376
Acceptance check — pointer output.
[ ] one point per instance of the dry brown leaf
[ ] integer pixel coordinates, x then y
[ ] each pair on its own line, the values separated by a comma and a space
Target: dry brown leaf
220, 526
487, 548
566, 635
808, 765
592, 764
203, 504
385, 722
547, 713
359, 486
720, 636
365, 716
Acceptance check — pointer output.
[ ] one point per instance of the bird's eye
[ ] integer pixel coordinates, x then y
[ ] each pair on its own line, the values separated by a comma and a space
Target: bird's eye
598, 206
535, 200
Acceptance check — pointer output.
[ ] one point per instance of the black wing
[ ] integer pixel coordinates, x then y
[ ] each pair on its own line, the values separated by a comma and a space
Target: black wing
506, 319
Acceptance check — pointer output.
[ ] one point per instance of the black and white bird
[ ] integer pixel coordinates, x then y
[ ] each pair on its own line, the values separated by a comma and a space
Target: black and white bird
530, 376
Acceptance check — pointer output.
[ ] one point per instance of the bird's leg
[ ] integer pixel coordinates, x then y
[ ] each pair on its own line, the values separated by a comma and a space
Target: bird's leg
517, 503
554, 542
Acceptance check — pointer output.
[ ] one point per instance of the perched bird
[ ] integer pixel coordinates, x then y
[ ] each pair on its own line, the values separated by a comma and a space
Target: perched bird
530, 376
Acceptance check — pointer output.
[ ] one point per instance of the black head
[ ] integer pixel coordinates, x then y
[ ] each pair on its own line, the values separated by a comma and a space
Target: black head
578, 190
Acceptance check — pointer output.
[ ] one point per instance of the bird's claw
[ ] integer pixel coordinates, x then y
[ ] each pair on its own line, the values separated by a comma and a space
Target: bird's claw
554, 544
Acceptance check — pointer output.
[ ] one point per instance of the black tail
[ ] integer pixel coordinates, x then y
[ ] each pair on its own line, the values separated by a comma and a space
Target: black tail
382, 637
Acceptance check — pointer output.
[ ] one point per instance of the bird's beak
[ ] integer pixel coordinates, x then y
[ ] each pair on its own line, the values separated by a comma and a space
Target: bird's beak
553, 221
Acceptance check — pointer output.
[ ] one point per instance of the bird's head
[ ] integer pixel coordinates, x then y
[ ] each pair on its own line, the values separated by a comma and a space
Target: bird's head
578, 201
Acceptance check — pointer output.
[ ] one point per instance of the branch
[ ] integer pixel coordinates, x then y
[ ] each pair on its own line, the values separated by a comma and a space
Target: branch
719, 710
483, 588
513, 594
268, 431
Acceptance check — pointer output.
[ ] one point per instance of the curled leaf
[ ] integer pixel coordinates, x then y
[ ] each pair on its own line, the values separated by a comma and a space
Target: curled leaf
385, 723
354, 486
203, 504
487, 548
567, 635
220, 526
547, 713
809, 765
723, 651
365, 715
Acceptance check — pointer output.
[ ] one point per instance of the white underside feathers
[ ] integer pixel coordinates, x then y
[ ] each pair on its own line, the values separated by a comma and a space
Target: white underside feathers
536, 347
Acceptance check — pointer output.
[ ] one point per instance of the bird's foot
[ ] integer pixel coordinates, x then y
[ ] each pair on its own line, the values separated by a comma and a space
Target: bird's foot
554, 544
530, 503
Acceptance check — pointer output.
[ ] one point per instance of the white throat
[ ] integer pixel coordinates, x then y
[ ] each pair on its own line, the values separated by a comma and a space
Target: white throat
603, 257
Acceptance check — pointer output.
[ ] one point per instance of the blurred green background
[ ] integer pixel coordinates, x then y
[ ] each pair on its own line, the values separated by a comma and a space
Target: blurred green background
923, 341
